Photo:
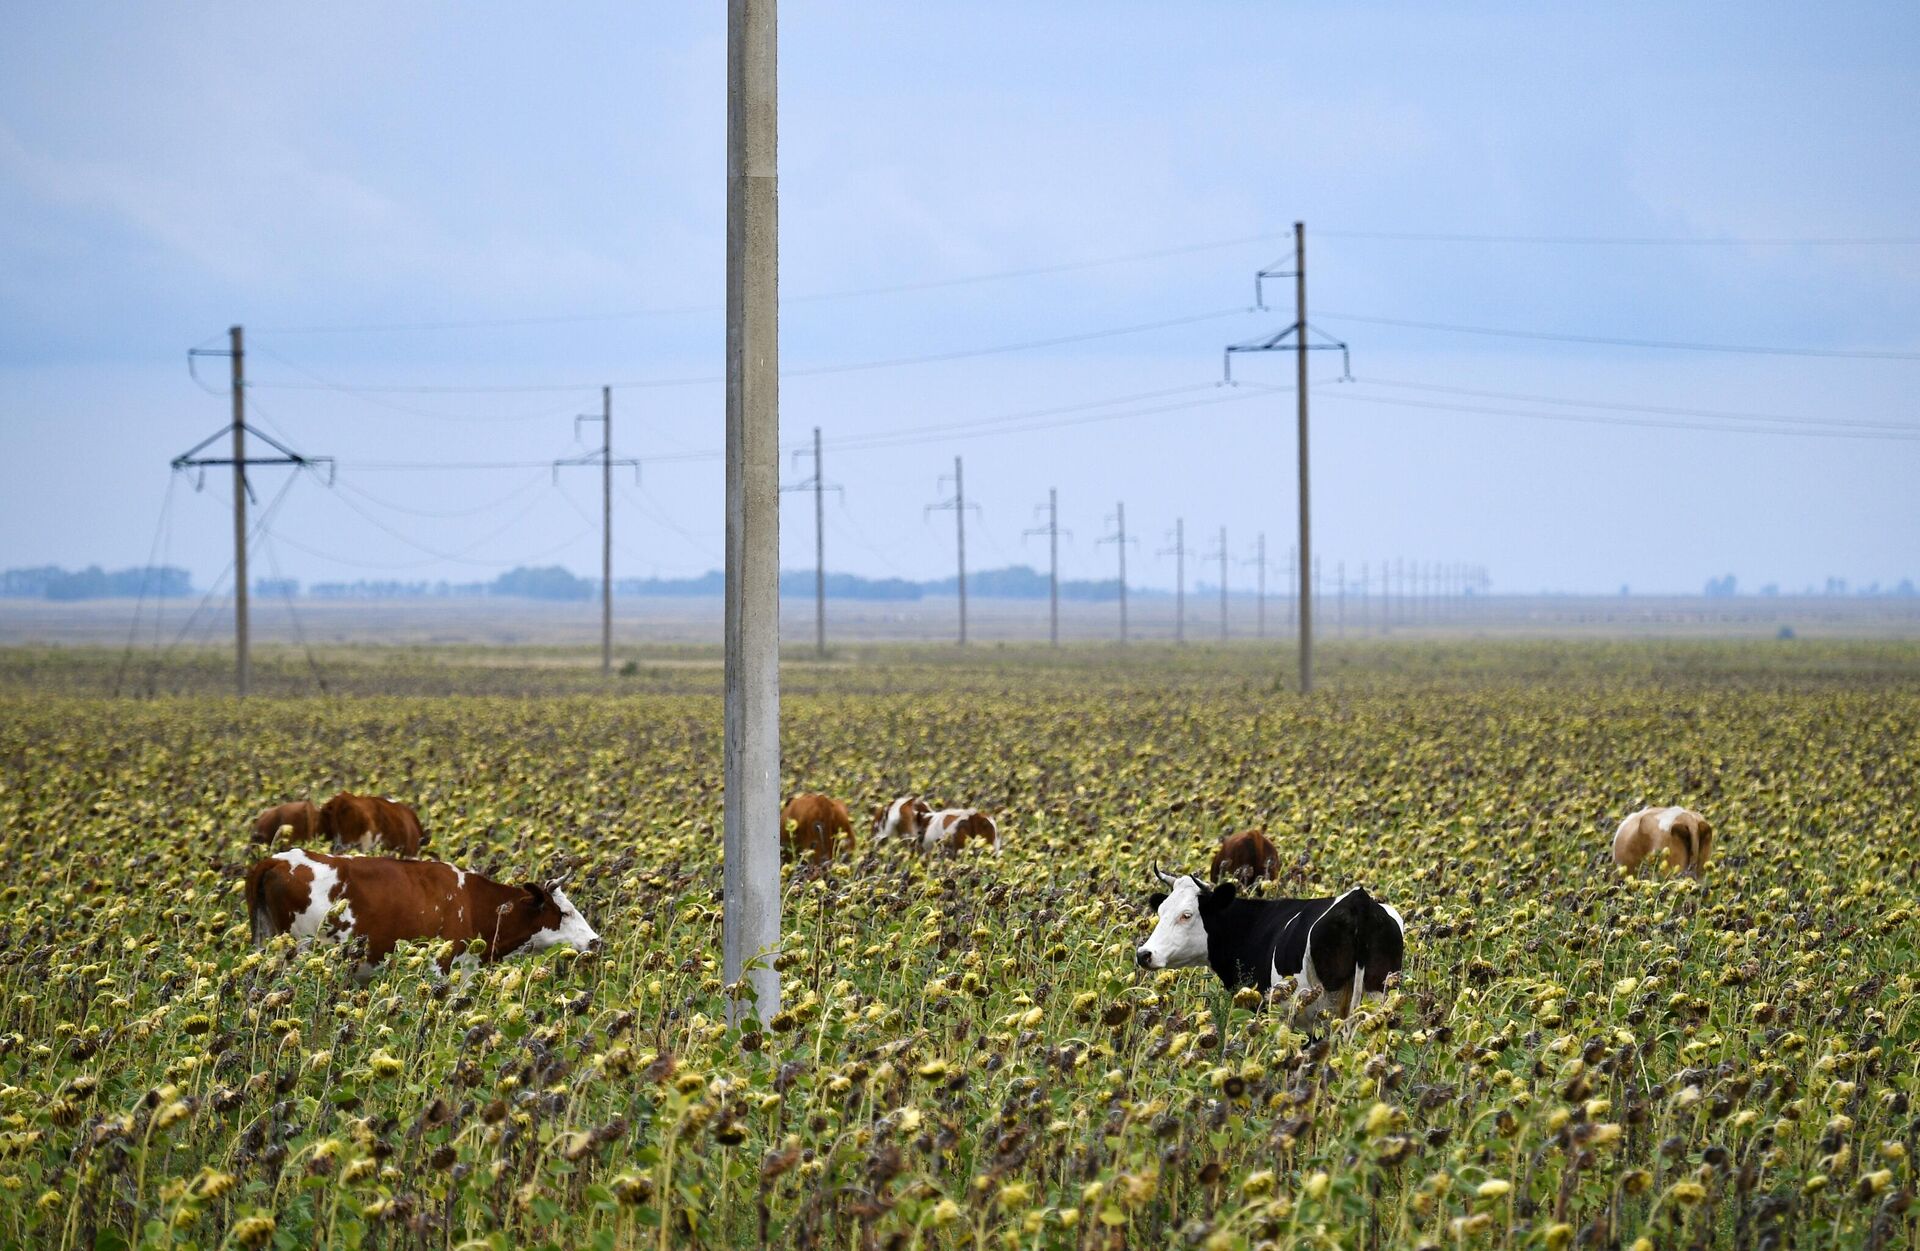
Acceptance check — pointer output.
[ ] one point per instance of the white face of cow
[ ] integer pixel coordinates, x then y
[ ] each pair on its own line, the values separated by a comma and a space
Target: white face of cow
1179, 940
573, 930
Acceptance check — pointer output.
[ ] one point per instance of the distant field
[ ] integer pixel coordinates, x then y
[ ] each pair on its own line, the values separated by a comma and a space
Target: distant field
966, 1056
509, 622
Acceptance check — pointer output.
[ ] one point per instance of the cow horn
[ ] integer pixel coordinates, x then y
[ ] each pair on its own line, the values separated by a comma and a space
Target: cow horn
1161, 874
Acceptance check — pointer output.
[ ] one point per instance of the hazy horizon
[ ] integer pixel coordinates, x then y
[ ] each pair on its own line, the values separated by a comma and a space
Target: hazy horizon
1089, 186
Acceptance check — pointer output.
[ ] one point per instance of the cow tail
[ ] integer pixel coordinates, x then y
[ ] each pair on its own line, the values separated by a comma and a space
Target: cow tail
1684, 837
260, 923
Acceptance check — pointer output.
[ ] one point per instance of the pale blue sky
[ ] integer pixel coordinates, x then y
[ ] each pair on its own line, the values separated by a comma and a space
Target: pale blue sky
167, 170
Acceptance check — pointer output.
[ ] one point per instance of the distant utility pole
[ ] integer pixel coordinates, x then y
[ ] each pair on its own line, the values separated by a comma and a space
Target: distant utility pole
191, 458
1299, 332
1052, 531
603, 458
1120, 540
1222, 555
819, 486
958, 503
1259, 562
1179, 553
750, 921
1293, 585
1340, 595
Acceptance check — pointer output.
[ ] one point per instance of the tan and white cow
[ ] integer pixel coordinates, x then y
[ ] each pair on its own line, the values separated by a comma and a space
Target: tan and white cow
384, 900
1682, 835
956, 827
905, 818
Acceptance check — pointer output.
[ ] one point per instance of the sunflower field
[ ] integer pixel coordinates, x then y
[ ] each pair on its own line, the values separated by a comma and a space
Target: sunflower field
965, 1054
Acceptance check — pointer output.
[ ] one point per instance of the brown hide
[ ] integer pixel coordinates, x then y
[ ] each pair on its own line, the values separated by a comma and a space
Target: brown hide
1685, 844
956, 829
301, 814
391, 900
1246, 856
371, 823
812, 826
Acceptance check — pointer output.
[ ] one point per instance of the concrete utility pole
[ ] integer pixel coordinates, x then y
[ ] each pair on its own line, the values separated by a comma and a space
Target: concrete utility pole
1222, 553
1259, 562
1052, 531
1300, 382
238, 430
243, 661
1120, 540
751, 917
958, 503
1293, 586
819, 486
819, 552
1299, 333
1179, 554
605, 459
606, 532
1340, 596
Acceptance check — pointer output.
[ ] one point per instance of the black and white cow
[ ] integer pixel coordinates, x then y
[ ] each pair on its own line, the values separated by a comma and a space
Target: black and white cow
1335, 948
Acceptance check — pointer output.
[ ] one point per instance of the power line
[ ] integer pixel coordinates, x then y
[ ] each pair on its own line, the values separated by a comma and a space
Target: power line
487, 507
1598, 420
938, 432
323, 383
1632, 240
891, 362
844, 293
1667, 410
1160, 253
1678, 345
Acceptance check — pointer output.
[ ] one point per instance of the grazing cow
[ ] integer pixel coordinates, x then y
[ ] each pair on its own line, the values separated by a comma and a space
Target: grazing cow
368, 822
301, 814
1682, 834
388, 900
906, 817
1248, 856
812, 825
1337, 948
955, 827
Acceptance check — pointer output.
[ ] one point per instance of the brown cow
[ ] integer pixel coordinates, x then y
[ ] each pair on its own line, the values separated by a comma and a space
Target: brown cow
368, 822
301, 814
812, 825
954, 827
387, 900
1682, 835
1247, 856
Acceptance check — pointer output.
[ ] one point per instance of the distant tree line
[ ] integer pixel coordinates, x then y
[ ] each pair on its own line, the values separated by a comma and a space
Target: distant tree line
93, 582
554, 582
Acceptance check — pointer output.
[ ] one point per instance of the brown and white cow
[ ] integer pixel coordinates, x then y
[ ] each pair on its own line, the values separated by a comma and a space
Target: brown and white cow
1681, 834
956, 827
1247, 856
302, 814
811, 825
370, 823
904, 818
386, 900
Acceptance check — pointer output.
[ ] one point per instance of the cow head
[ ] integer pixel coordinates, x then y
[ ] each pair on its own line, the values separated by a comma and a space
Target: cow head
1179, 939
542, 917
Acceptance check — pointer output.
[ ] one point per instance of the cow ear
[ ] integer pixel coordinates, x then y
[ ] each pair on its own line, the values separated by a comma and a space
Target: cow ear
1222, 893
538, 895
1155, 900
